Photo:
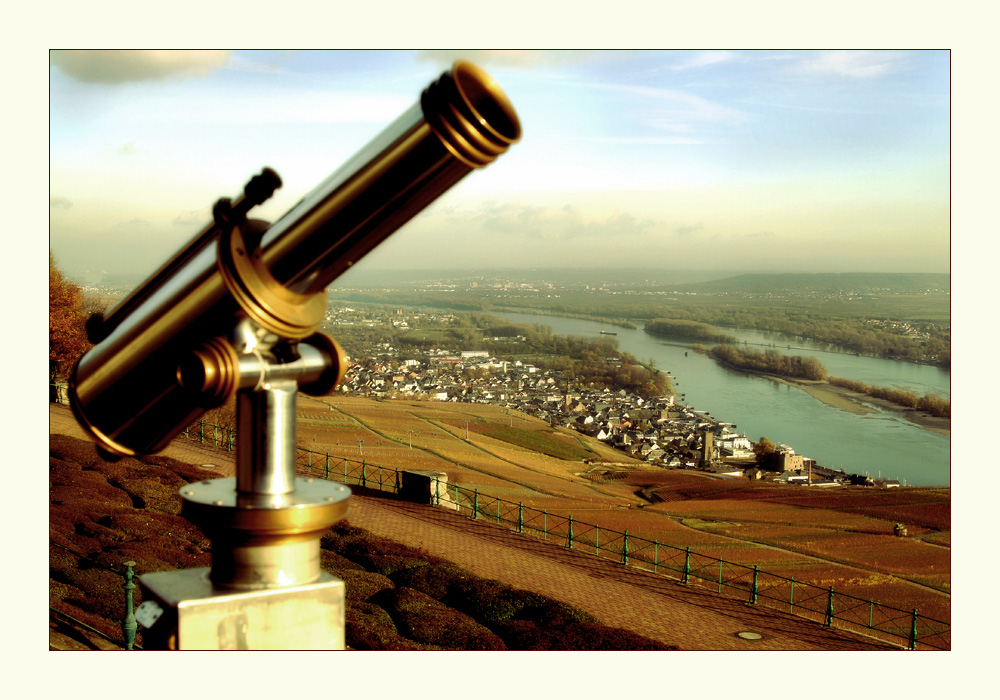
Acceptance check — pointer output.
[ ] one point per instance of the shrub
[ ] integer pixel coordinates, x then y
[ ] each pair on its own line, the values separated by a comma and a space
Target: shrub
370, 628
490, 602
554, 613
425, 620
432, 579
90, 588
336, 564
374, 553
361, 585
72, 450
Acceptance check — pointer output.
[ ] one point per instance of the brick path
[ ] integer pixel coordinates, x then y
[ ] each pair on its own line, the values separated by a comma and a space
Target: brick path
655, 606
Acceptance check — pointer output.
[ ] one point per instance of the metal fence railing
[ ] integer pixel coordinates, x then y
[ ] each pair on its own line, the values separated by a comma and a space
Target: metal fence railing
757, 587
750, 583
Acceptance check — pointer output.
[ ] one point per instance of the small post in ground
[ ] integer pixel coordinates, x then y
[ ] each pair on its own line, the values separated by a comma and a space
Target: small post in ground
129, 625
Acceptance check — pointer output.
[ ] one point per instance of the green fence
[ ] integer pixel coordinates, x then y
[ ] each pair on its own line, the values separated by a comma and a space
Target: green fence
754, 586
750, 583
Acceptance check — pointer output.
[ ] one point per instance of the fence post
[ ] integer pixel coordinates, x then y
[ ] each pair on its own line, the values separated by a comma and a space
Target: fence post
625, 550
201, 432
397, 480
687, 566
345, 470
871, 612
232, 438
791, 597
720, 575
520, 518
829, 609
656, 555
215, 434
328, 465
913, 631
475, 505
753, 589
129, 625
597, 540
569, 534
364, 473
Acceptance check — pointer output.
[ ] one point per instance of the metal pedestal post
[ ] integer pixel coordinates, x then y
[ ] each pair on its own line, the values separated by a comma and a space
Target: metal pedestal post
265, 588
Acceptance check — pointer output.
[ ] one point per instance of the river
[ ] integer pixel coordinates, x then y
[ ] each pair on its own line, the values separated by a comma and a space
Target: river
882, 443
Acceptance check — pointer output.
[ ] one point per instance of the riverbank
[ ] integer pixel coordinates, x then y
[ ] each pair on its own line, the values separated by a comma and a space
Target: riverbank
844, 399
833, 437
855, 402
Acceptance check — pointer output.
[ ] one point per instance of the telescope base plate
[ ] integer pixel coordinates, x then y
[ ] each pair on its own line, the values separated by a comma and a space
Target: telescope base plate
182, 610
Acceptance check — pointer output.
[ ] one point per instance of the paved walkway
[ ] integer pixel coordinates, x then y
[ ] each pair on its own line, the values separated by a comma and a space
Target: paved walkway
655, 606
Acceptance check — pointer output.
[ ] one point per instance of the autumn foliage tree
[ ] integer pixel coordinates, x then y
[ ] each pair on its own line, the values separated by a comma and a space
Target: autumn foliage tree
67, 315
763, 450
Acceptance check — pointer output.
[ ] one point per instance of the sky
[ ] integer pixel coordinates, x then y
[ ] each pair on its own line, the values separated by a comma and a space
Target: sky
763, 160
804, 160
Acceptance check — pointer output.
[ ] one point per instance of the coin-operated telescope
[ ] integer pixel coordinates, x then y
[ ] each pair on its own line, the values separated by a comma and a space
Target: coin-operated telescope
235, 313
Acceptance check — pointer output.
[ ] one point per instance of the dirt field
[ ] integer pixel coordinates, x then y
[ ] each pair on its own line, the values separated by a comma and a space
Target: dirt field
841, 536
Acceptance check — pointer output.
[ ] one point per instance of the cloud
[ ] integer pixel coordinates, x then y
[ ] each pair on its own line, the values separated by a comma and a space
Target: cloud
673, 110
652, 140
136, 65
193, 217
701, 59
509, 58
688, 230
127, 149
135, 225
241, 62
59, 203
546, 223
852, 64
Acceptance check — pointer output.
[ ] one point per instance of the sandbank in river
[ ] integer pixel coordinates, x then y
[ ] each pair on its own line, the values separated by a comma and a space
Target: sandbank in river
855, 402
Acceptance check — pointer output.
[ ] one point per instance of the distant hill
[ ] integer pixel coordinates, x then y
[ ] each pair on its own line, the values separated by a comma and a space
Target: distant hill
827, 283
362, 277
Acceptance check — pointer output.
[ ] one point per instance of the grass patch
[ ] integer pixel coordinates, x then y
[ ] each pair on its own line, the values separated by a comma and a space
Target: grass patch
536, 441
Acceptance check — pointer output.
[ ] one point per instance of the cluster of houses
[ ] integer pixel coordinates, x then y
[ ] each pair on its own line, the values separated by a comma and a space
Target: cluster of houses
658, 431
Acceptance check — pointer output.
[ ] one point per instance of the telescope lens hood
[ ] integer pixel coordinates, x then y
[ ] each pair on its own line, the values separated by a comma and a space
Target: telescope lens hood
471, 115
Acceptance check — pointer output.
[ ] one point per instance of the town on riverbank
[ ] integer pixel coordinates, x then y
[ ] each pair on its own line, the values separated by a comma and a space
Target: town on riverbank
659, 429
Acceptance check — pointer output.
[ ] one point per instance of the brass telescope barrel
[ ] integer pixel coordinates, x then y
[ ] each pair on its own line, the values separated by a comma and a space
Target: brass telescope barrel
128, 391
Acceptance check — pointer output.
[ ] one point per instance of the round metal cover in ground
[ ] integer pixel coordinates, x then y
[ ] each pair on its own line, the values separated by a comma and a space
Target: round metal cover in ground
753, 636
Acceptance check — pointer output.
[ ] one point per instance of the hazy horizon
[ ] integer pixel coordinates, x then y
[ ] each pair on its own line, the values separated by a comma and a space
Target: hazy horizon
365, 276
760, 161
